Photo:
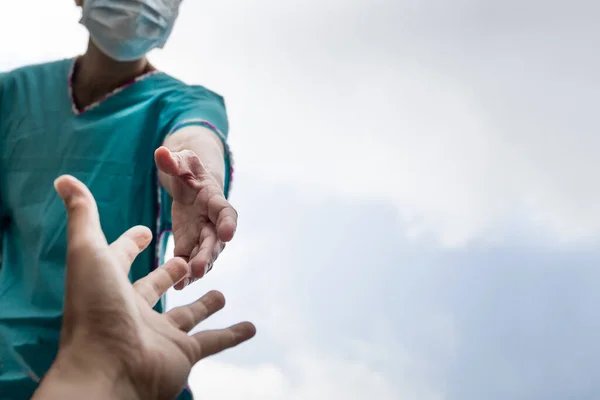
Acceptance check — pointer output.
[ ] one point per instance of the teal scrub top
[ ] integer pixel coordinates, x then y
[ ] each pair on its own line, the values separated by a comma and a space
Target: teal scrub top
110, 147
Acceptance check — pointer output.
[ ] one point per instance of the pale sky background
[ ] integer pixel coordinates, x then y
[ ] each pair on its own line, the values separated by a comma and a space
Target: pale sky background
418, 191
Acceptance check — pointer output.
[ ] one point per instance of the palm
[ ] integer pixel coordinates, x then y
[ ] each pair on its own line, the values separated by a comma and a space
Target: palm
162, 356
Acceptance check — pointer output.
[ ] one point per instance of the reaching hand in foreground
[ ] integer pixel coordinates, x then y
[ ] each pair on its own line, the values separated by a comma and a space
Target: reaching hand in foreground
113, 344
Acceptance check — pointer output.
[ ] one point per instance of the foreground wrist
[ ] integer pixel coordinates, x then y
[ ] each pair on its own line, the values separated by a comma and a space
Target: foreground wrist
71, 378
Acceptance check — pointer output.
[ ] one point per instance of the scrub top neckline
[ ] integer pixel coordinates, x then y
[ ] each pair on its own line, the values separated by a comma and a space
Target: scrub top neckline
78, 111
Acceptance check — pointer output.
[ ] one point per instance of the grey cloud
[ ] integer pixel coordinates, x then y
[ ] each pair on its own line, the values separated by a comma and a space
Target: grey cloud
527, 322
515, 320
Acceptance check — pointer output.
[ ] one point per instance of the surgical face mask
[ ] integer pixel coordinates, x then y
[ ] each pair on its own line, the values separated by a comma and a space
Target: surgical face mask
125, 30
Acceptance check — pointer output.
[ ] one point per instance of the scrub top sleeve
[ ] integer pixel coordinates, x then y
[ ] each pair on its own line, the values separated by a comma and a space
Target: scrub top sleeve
201, 107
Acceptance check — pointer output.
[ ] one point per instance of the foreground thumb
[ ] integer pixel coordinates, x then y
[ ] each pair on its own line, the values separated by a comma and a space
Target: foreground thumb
82, 212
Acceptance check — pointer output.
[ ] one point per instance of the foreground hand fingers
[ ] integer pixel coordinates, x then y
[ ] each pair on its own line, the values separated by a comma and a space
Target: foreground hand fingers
215, 341
83, 227
155, 284
187, 317
130, 244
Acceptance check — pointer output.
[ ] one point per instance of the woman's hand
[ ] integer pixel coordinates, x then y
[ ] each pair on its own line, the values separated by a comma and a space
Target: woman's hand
203, 220
112, 342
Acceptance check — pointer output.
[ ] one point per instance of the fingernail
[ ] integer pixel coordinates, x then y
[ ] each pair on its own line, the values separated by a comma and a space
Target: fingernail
208, 268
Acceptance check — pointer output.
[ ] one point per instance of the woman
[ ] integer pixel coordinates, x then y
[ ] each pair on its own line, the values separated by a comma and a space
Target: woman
120, 126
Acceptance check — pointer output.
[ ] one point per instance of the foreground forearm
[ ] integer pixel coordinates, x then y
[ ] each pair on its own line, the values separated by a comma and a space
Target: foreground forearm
205, 144
66, 380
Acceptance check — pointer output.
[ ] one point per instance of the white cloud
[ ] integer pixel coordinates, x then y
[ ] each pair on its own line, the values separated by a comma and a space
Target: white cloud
224, 381
306, 376
38, 31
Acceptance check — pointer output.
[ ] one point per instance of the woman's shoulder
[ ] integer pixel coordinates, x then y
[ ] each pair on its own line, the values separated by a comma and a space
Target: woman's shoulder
32, 81
40, 70
180, 90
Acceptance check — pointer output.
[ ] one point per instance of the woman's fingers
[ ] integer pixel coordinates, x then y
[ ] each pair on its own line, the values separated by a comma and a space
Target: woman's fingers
130, 244
200, 263
223, 215
187, 317
215, 341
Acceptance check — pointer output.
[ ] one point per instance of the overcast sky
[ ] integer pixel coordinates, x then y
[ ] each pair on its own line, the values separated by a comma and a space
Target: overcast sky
417, 185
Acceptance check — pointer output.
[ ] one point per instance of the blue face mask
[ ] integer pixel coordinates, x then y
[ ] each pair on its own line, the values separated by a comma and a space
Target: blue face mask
125, 30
